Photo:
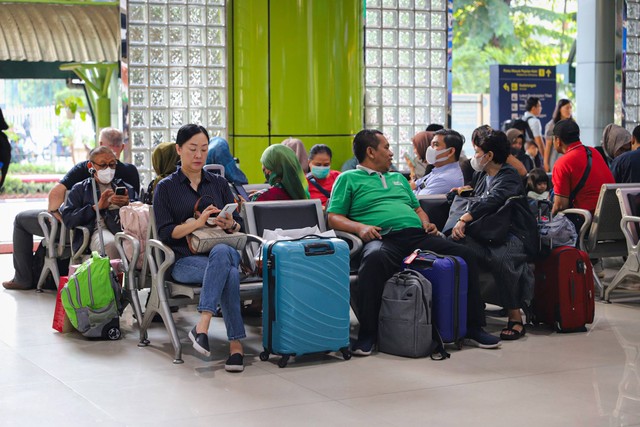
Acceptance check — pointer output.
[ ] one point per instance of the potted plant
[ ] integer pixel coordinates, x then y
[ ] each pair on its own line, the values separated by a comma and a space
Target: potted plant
72, 101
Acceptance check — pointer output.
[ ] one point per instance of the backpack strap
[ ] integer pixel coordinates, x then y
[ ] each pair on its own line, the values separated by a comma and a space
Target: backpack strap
315, 183
528, 129
583, 180
437, 352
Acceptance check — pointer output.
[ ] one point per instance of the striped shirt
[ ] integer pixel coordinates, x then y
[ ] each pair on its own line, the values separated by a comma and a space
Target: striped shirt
174, 201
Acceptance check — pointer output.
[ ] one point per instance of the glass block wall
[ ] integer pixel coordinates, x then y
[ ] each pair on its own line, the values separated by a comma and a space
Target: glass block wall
631, 65
177, 71
405, 68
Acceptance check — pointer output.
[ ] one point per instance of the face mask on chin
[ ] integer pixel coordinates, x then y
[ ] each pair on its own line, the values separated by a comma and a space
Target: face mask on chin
432, 155
105, 176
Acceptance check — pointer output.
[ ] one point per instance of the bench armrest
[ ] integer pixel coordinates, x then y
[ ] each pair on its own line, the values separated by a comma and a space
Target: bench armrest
355, 243
586, 215
76, 256
624, 222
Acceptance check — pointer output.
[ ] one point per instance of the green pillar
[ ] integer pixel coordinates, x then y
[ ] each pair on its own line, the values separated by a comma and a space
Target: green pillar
97, 77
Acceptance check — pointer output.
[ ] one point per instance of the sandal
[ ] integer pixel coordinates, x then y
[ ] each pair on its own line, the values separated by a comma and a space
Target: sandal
514, 333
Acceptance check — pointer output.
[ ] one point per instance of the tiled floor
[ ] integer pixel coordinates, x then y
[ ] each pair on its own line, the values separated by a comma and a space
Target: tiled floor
545, 379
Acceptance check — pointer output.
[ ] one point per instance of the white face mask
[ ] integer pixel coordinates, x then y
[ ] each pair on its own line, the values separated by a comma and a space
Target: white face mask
105, 176
432, 153
476, 165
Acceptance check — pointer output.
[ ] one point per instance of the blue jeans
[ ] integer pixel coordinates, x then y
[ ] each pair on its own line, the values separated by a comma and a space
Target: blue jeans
220, 284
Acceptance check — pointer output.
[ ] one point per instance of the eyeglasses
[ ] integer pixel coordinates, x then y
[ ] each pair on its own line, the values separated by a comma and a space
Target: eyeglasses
111, 165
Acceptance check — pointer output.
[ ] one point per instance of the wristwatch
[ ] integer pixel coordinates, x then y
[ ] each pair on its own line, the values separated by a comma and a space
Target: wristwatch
54, 211
460, 219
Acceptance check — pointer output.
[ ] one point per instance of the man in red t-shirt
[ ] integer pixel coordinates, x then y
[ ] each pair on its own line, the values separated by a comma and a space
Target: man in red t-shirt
569, 169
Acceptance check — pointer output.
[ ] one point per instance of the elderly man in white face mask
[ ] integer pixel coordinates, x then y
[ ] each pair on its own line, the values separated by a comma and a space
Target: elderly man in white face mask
80, 209
443, 154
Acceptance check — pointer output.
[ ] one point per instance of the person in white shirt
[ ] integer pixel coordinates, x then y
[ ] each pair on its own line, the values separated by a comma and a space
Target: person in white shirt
534, 108
443, 154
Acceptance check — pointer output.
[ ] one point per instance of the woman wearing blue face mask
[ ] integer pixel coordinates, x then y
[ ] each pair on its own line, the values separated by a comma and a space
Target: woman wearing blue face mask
321, 177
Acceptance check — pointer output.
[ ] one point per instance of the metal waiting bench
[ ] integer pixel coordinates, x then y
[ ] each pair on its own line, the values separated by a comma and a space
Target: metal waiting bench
165, 292
604, 237
629, 202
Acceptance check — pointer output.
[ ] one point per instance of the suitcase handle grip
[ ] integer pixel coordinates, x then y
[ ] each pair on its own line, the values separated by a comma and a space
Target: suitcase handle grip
319, 248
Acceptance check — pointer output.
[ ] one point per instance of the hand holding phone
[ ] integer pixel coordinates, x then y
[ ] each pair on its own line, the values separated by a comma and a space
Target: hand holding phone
228, 209
121, 191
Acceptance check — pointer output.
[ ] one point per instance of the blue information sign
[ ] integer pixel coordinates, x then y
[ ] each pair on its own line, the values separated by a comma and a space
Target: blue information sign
512, 85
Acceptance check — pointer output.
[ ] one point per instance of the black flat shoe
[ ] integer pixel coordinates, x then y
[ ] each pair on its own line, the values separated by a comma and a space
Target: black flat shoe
235, 363
200, 342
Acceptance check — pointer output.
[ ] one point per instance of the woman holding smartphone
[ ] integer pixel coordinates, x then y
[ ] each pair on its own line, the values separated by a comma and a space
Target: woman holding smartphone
173, 203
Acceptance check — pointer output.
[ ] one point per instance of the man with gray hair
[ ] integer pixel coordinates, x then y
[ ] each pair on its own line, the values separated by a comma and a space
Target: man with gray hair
26, 225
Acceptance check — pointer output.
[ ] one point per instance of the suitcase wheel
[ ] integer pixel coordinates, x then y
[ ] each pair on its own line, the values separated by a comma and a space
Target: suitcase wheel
283, 361
264, 356
460, 343
346, 354
114, 334
557, 326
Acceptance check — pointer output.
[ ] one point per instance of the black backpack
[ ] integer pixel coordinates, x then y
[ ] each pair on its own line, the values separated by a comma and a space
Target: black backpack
520, 124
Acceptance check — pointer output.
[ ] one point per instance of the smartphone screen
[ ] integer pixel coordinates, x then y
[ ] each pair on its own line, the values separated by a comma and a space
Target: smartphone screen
121, 191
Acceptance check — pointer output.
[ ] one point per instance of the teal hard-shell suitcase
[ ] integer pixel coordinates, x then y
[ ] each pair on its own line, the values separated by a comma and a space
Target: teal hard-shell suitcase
305, 297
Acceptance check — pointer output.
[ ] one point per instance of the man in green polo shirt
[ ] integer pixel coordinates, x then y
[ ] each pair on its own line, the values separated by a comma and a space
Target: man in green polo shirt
380, 207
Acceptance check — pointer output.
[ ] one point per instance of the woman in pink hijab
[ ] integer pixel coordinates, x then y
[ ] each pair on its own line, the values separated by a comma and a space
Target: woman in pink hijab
301, 153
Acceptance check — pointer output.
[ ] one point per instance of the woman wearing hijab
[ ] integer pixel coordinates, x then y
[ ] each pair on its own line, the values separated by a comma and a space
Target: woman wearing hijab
220, 154
615, 141
164, 160
421, 141
5, 149
283, 172
301, 153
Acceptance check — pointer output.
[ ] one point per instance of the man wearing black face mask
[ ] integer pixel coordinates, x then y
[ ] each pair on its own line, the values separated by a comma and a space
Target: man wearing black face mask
80, 209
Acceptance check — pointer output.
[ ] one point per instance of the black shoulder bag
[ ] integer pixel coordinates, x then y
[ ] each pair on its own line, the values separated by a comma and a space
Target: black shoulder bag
315, 183
583, 180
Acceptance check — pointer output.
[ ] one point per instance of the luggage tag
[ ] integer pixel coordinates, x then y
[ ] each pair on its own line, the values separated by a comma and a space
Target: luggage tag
408, 260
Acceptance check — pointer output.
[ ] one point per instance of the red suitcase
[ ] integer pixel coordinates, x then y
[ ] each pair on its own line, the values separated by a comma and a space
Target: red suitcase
564, 292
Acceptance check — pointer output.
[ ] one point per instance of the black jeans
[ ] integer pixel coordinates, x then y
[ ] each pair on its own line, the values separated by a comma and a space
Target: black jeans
382, 258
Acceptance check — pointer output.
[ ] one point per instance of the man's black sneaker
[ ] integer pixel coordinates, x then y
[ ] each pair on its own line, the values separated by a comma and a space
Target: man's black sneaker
362, 347
479, 338
200, 342
235, 363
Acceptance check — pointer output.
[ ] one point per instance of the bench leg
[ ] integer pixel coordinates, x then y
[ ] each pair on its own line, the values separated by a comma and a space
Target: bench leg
631, 268
50, 266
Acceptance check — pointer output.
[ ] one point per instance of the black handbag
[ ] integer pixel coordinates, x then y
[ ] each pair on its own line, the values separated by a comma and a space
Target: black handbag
492, 228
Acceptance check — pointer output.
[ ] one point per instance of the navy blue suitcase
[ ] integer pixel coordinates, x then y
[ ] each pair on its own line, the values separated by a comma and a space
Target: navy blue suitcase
449, 279
305, 297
